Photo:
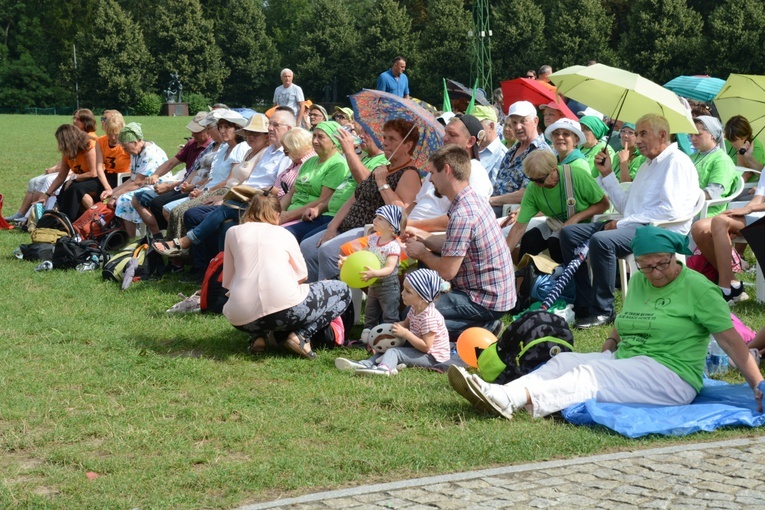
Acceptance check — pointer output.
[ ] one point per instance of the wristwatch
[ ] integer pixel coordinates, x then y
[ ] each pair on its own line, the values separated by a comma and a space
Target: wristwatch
383, 187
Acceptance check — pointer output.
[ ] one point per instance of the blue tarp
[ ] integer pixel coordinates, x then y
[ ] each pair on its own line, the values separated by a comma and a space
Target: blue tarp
719, 404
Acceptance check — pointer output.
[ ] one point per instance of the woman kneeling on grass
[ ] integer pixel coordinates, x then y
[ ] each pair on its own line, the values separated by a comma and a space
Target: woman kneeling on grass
655, 354
265, 274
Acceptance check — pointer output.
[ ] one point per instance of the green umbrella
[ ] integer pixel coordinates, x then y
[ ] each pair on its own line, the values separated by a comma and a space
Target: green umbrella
622, 95
744, 95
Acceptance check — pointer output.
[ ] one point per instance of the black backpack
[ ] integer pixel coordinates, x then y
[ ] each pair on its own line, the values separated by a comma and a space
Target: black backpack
58, 221
68, 253
37, 251
528, 342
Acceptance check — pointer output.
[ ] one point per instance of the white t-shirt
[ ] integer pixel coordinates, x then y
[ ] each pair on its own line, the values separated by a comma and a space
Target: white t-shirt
221, 167
291, 96
427, 205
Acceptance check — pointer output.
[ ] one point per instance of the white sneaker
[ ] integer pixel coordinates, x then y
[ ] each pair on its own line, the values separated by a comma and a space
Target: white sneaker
189, 304
347, 365
493, 395
378, 370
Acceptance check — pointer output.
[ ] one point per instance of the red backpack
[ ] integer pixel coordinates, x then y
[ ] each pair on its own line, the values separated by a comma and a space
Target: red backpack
213, 295
98, 223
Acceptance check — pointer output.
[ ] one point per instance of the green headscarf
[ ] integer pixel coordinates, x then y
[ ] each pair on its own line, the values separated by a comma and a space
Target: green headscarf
594, 124
132, 132
331, 128
650, 239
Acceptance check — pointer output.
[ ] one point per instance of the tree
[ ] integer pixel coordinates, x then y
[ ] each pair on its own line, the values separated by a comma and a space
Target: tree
23, 83
249, 53
181, 40
518, 41
386, 32
108, 54
575, 36
324, 57
664, 40
444, 49
737, 36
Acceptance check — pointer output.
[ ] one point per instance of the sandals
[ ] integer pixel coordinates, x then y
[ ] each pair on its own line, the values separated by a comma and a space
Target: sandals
257, 346
296, 344
163, 248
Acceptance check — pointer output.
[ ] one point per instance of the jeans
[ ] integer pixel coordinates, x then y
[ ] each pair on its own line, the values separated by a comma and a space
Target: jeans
461, 313
321, 261
596, 297
303, 228
204, 227
382, 302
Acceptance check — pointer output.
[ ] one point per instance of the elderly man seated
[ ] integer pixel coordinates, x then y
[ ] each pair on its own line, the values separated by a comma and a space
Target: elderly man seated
665, 189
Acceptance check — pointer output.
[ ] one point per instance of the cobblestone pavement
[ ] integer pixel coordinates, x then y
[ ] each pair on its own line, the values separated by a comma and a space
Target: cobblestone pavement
725, 474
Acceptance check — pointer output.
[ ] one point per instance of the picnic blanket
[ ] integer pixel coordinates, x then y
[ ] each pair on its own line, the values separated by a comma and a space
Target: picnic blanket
719, 404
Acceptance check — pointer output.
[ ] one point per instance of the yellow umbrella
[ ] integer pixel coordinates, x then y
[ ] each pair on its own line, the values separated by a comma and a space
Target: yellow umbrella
744, 95
622, 95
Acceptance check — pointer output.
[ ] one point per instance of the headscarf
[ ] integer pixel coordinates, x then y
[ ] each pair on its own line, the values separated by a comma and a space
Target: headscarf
331, 128
650, 239
427, 283
596, 125
392, 214
132, 132
572, 156
714, 127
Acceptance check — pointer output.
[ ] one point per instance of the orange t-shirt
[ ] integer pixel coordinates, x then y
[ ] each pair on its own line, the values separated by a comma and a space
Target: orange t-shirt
79, 165
116, 160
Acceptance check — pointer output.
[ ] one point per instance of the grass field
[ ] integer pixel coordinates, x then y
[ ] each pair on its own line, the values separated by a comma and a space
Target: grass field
171, 413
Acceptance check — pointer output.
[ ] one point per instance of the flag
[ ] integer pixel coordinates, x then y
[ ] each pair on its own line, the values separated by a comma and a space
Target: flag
447, 104
471, 104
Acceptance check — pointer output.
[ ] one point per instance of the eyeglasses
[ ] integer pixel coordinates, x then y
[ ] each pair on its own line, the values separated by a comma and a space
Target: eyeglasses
661, 266
103, 119
315, 114
339, 117
276, 125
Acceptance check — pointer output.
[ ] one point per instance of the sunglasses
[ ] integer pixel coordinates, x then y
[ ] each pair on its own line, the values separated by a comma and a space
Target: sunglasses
339, 117
540, 180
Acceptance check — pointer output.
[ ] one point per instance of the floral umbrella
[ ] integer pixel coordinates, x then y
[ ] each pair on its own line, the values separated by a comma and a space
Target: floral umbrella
373, 108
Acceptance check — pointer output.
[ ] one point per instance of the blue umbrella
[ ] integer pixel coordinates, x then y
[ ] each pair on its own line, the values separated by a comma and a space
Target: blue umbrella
700, 88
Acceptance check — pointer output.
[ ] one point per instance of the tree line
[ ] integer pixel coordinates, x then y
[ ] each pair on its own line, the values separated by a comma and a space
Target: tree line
232, 50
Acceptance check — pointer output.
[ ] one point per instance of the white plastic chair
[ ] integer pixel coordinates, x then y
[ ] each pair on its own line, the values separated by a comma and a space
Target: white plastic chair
735, 192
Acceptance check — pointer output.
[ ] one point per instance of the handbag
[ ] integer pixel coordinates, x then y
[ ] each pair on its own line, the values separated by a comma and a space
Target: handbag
553, 223
239, 196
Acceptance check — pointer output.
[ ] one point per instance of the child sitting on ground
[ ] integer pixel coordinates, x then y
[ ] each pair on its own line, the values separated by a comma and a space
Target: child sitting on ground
382, 296
423, 329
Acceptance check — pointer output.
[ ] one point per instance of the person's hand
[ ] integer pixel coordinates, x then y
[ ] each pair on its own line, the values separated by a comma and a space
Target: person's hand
603, 162
106, 194
213, 201
381, 174
758, 391
624, 155
743, 211
415, 234
399, 330
367, 274
311, 213
509, 219
195, 193
341, 261
611, 225
151, 180
415, 249
185, 187
326, 236
346, 141
163, 187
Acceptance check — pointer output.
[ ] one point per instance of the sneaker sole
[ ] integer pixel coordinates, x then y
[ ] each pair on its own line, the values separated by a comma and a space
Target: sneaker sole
371, 371
459, 381
346, 365
505, 413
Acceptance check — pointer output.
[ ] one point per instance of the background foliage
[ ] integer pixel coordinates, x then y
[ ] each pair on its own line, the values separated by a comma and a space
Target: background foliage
232, 51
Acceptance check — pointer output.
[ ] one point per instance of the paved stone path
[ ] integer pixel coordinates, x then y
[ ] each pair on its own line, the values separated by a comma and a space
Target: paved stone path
725, 474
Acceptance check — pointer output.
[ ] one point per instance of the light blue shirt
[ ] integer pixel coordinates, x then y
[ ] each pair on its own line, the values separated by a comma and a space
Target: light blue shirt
491, 158
273, 162
389, 83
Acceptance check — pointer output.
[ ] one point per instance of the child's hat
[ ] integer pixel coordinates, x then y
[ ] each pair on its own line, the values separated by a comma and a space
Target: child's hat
392, 213
427, 283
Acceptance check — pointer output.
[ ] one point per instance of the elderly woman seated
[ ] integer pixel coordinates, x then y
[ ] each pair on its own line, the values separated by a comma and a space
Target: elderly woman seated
548, 193
655, 354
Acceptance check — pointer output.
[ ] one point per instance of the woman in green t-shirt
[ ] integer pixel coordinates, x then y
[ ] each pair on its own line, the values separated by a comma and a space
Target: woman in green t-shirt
655, 354
738, 135
546, 193
594, 134
627, 161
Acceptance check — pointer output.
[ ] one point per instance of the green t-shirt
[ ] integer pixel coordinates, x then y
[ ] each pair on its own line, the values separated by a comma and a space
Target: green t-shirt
590, 154
346, 188
672, 324
715, 167
633, 165
313, 176
758, 153
552, 201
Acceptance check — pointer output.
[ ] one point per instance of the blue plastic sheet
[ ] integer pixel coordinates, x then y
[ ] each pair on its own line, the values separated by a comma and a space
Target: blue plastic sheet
718, 405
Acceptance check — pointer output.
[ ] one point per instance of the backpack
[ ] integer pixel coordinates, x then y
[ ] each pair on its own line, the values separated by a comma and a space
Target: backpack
213, 295
69, 253
37, 251
545, 283
525, 278
115, 268
98, 222
54, 220
527, 343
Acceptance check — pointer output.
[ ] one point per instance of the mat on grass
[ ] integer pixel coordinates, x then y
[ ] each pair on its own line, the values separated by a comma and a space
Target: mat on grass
719, 404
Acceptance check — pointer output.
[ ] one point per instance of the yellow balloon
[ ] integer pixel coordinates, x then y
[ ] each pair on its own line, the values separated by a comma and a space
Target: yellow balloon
472, 339
350, 273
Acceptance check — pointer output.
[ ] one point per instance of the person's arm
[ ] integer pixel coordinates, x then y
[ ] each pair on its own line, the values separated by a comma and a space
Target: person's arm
421, 344
735, 347
286, 200
100, 169
624, 165
333, 225
406, 190
63, 173
446, 267
437, 224
296, 214
359, 172
612, 342
616, 194
508, 198
391, 264
162, 170
598, 208
301, 110
515, 234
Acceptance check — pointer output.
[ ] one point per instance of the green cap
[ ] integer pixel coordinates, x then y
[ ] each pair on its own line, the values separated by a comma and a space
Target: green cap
650, 239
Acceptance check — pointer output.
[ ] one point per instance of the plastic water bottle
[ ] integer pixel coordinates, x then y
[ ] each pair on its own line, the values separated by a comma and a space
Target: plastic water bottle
90, 265
45, 266
717, 360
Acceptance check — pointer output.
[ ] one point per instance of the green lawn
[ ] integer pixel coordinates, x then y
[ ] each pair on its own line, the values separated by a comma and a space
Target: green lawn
171, 412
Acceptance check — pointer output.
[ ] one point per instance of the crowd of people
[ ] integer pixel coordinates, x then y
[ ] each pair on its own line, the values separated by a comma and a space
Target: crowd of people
284, 195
